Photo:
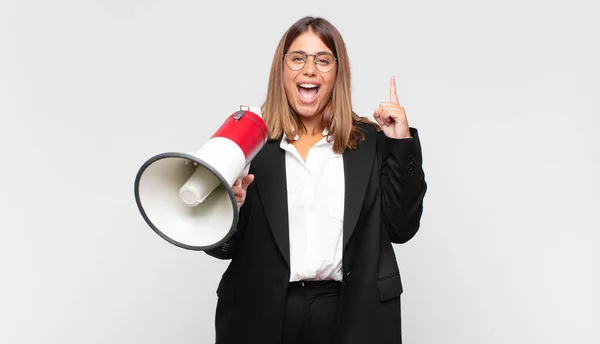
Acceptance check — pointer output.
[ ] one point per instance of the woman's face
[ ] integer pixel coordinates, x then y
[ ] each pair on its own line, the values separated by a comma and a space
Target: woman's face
308, 90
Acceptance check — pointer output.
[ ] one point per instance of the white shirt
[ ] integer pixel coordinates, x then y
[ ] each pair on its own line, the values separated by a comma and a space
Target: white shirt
315, 195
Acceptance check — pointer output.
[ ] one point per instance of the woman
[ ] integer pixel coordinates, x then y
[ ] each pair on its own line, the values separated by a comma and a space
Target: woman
312, 259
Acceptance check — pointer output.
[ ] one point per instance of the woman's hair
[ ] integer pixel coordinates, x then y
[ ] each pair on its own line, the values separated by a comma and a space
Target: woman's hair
338, 117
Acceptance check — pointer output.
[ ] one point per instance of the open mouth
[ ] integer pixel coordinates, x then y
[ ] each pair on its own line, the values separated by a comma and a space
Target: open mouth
308, 92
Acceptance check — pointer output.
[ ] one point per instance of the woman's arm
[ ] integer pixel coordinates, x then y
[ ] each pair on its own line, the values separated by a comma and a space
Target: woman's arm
403, 187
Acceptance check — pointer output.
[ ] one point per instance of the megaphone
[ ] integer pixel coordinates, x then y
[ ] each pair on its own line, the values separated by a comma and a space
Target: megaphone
186, 198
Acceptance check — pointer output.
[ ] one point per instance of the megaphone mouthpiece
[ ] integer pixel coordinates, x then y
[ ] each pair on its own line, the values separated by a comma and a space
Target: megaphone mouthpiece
198, 186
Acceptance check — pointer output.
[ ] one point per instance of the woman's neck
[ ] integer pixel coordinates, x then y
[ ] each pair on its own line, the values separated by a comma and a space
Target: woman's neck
312, 125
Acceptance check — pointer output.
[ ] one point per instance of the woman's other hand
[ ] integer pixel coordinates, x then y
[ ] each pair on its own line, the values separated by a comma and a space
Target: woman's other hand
391, 116
239, 189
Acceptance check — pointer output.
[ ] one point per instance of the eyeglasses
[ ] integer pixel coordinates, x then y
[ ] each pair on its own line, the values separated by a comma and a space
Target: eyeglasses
296, 60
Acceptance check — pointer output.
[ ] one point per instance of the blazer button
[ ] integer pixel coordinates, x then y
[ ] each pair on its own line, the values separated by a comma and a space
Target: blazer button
347, 277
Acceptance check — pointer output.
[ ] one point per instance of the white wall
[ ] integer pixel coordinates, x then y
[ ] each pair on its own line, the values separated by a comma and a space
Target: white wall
505, 95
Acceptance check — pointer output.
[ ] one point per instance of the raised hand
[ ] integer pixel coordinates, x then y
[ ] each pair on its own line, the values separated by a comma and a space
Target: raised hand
391, 115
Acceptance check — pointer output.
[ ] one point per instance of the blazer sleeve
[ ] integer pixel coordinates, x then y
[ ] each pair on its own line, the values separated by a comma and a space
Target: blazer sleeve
403, 187
228, 249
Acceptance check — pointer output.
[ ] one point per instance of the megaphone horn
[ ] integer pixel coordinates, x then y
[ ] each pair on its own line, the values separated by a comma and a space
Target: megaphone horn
187, 198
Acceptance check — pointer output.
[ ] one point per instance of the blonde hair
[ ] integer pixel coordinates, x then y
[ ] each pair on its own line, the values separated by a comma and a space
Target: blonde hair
339, 119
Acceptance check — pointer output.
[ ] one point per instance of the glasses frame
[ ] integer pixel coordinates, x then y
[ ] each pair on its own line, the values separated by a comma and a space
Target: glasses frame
306, 59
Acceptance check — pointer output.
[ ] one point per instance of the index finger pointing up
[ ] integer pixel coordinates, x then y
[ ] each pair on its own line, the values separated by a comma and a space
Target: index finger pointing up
393, 95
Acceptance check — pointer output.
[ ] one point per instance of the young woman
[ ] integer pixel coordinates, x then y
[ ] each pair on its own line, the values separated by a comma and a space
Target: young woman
312, 259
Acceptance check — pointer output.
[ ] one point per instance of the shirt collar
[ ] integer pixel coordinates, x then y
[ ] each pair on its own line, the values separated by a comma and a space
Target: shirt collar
284, 144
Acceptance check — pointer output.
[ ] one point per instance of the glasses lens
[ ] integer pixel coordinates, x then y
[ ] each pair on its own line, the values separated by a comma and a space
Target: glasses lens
295, 60
324, 62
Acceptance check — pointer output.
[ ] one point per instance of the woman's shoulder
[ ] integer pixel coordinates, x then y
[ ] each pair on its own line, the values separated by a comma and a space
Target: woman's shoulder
371, 130
369, 127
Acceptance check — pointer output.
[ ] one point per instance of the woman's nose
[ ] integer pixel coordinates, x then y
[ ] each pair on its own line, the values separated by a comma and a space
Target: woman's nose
309, 67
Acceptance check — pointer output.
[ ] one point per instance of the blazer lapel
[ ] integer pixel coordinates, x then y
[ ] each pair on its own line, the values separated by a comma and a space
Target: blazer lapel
358, 164
271, 185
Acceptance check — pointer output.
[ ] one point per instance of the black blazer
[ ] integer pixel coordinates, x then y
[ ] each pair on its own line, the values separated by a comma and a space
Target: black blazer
385, 186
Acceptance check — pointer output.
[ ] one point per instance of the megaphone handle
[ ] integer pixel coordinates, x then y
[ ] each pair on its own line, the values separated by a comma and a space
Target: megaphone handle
244, 172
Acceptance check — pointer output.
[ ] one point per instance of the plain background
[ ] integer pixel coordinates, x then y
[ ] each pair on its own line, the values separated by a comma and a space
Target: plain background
505, 96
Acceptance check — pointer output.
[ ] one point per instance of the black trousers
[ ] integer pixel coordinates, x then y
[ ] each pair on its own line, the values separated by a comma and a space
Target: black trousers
311, 312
